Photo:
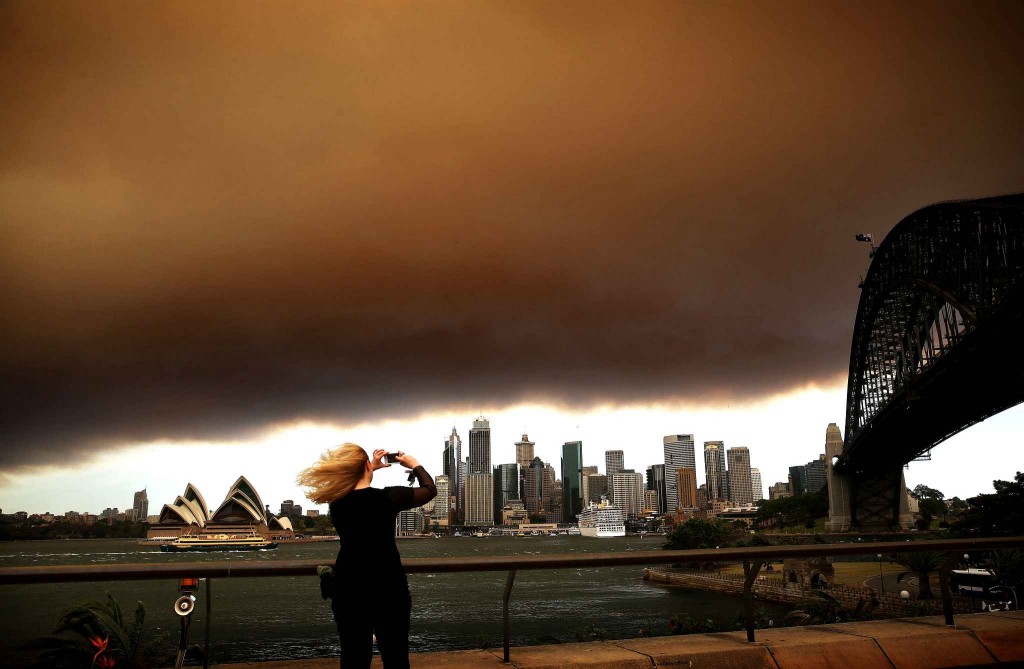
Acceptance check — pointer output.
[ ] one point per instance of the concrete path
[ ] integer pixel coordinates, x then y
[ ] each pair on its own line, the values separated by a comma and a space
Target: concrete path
906, 643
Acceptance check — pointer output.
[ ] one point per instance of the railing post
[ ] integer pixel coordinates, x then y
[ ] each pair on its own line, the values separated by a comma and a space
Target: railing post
749, 575
947, 597
506, 621
206, 635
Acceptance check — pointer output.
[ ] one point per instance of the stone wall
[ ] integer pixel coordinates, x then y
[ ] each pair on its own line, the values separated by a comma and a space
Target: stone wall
775, 590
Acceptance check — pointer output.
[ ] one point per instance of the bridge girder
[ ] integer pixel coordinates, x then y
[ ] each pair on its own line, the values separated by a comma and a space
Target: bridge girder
935, 344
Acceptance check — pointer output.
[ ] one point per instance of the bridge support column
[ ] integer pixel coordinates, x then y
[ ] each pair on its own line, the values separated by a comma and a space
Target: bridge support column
839, 497
878, 501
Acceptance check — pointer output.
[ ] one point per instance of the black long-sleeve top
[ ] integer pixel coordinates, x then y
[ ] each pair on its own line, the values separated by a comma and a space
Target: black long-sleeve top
365, 521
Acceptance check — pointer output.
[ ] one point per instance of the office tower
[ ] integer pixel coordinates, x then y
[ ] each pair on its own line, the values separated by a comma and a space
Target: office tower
443, 502
651, 501
629, 492
755, 484
524, 452
452, 469
779, 490
740, 490
506, 487
140, 505
480, 447
715, 473
596, 485
702, 496
656, 482
286, 508
686, 484
572, 480
533, 498
797, 480
678, 453
815, 474
479, 499
613, 462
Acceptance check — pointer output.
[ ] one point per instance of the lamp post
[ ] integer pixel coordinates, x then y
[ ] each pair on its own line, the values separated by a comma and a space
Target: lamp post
881, 581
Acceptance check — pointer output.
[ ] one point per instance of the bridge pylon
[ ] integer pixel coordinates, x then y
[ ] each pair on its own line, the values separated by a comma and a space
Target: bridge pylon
874, 501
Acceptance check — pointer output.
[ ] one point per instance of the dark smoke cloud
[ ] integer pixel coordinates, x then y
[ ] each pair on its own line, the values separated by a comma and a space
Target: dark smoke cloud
217, 218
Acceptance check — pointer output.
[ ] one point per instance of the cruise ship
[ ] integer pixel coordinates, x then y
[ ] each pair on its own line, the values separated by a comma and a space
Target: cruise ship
602, 520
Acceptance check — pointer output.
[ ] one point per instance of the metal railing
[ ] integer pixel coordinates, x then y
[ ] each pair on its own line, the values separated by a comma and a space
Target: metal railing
752, 558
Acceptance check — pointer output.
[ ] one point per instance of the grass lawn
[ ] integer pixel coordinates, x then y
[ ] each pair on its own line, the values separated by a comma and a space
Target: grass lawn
851, 574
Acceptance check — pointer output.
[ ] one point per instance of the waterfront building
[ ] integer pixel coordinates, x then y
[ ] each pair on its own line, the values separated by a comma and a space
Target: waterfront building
480, 447
757, 488
740, 488
815, 474
686, 485
479, 499
715, 473
572, 480
678, 452
629, 492
452, 468
506, 487
514, 514
797, 480
779, 490
241, 511
409, 522
443, 502
656, 482
595, 487
140, 505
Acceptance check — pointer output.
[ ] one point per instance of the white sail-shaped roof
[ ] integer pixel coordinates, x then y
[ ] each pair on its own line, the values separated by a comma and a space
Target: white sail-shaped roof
175, 514
280, 522
192, 494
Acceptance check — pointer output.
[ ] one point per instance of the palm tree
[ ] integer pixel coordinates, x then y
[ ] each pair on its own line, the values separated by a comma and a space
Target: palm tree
922, 564
822, 608
83, 629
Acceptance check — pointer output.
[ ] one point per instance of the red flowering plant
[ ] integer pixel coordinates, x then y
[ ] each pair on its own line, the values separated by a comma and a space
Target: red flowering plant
95, 635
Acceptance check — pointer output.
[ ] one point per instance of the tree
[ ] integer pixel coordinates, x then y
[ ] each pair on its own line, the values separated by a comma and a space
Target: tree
997, 514
538, 518
922, 491
701, 533
921, 564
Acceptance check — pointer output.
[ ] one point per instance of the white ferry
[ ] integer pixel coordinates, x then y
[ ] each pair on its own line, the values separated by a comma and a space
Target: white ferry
218, 542
602, 520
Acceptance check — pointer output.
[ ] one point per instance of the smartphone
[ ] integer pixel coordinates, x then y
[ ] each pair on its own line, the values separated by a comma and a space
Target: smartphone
390, 458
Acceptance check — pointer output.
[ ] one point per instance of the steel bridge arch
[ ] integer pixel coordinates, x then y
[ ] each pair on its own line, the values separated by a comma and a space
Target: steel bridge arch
941, 277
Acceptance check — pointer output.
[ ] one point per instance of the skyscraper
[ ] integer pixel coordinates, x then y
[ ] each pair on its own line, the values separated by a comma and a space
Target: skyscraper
678, 453
451, 467
140, 505
506, 487
816, 474
614, 462
533, 498
479, 499
442, 511
740, 489
572, 480
756, 485
686, 484
629, 492
715, 472
656, 482
797, 480
524, 452
480, 447
596, 485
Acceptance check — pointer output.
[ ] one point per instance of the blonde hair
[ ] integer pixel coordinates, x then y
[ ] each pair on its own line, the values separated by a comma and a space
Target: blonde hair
335, 474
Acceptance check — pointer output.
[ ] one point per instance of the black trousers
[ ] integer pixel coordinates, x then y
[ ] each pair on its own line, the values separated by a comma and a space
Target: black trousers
384, 613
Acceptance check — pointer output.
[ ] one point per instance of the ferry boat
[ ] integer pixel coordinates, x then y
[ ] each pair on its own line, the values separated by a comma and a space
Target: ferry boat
602, 520
218, 542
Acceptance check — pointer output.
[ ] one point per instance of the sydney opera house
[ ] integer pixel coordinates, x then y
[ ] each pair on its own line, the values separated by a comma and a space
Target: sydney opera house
241, 512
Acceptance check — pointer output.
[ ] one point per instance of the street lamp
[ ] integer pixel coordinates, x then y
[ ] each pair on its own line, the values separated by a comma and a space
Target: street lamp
881, 581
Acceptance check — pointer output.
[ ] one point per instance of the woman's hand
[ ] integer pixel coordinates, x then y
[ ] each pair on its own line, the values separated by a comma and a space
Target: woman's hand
408, 461
378, 456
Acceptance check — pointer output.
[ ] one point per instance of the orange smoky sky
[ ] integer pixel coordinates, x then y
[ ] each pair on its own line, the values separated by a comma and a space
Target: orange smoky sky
216, 217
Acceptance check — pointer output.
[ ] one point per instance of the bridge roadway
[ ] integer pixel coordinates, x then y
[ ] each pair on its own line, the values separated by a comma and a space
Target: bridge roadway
983, 639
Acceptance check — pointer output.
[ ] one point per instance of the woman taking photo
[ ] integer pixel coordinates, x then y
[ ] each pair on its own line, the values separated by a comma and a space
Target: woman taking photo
371, 592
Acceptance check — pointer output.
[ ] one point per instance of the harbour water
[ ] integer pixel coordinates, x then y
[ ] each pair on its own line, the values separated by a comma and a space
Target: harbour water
279, 618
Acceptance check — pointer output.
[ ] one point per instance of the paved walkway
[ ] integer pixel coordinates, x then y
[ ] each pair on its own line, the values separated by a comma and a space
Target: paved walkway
906, 643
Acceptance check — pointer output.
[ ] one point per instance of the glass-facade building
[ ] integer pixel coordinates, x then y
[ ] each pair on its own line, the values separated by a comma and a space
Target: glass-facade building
572, 480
